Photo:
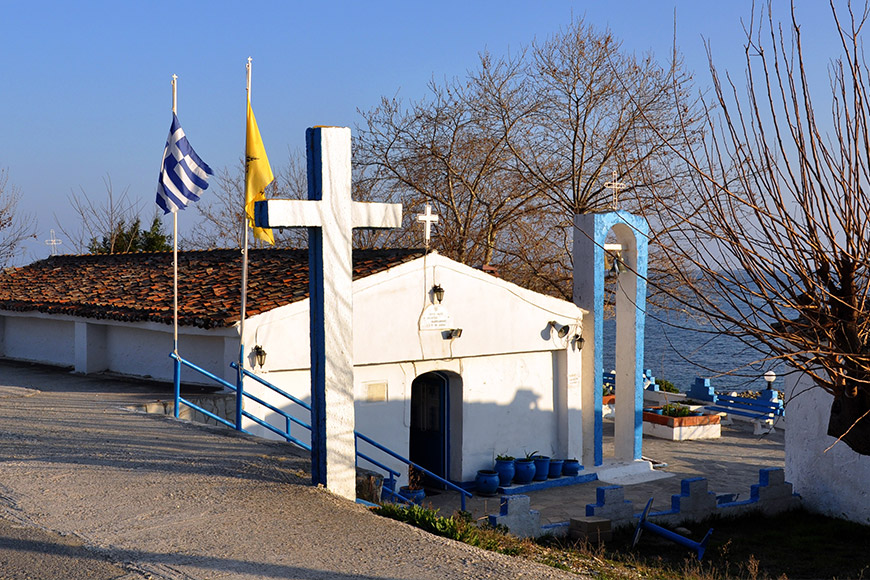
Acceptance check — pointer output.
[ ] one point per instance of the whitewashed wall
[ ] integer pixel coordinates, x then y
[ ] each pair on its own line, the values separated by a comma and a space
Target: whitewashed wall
505, 360
833, 482
142, 351
135, 349
39, 338
507, 407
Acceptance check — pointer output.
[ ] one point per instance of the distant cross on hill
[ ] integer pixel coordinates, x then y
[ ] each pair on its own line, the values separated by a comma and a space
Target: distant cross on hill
54, 243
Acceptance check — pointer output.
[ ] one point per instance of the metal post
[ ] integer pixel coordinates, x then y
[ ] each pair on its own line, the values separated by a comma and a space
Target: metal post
177, 380
643, 524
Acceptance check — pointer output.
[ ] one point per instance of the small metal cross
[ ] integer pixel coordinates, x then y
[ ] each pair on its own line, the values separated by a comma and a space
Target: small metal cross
616, 186
53, 242
429, 218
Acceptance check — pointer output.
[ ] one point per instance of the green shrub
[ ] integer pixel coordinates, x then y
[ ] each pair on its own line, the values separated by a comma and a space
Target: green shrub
673, 410
460, 527
667, 386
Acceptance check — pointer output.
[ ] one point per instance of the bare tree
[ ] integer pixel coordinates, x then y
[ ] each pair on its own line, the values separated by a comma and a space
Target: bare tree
777, 223
446, 151
99, 220
15, 227
221, 208
512, 152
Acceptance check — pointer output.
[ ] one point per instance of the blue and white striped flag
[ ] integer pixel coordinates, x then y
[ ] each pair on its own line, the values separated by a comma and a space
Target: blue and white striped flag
183, 175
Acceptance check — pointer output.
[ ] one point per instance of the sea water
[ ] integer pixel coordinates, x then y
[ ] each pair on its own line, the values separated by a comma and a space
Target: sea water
679, 349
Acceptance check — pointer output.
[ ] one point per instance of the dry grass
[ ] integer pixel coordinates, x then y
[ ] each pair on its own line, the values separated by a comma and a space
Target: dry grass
789, 546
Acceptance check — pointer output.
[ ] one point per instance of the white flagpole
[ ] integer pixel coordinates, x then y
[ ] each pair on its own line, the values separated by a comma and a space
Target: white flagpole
175, 242
245, 239
240, 384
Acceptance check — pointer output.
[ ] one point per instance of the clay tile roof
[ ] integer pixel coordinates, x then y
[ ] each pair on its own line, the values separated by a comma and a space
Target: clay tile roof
138, 287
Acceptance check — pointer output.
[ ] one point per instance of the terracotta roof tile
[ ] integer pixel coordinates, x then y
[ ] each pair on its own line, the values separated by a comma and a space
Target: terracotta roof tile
138, 287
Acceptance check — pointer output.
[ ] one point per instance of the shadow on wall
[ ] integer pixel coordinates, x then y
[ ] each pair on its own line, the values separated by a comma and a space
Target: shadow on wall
516, 428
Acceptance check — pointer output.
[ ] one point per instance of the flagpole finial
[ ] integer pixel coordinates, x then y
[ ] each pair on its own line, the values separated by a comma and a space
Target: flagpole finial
174, 94
248, 68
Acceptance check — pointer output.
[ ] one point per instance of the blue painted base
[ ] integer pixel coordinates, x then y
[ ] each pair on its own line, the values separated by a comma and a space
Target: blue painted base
539, 485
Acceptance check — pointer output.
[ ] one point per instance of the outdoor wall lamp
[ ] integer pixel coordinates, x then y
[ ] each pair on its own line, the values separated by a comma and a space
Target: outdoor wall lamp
770, 376
438, 292
561, 329
451, 333
577, 342
260, 354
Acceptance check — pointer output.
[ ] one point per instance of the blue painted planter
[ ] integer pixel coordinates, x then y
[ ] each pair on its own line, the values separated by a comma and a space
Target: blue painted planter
487, 481
542, 467
555, 468
506, 471
414, 495
525, 471
571, 468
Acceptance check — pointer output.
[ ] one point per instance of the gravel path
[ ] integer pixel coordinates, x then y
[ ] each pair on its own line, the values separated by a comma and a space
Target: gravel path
84, 482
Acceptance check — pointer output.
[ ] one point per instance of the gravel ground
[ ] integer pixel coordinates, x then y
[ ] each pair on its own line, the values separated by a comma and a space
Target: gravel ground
91, 490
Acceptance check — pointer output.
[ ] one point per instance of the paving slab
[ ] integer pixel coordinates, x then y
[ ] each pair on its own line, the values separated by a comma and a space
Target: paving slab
731, 464
165, 499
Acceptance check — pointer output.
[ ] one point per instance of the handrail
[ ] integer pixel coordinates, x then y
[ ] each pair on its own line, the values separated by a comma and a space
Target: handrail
178, 399
388, 469
392, 474
248, 373
276, 431
462, 493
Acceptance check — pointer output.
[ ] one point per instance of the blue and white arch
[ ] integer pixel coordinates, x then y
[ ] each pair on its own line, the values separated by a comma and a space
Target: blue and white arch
632, 235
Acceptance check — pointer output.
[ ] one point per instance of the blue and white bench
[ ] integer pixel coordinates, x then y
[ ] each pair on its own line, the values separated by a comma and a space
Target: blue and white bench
765, 409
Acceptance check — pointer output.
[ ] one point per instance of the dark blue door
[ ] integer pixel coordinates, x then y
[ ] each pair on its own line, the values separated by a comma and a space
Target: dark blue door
428, 444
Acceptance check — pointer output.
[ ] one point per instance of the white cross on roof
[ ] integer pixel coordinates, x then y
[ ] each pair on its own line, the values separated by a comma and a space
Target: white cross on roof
428, 218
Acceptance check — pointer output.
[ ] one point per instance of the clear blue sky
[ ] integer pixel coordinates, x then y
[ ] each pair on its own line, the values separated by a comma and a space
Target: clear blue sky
86, 85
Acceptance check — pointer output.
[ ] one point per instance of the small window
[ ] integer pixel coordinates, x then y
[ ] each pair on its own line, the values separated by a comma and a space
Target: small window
375, 392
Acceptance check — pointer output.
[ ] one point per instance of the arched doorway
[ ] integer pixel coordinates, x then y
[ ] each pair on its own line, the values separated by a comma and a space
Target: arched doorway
430, 425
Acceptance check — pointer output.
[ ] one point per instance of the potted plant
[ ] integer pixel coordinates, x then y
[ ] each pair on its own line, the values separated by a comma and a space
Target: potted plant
524, 469
571, 467
676, 410
486, 481
556, 468
542, 467
504, 465
414, 490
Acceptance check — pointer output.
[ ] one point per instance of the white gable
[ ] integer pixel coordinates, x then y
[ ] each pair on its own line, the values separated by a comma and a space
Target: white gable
495, 316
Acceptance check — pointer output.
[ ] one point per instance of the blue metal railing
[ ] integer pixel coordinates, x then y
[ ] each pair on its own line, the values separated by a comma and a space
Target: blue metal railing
390, 479
462, 493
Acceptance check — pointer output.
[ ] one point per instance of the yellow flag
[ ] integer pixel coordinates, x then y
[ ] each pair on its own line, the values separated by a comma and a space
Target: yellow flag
258, 175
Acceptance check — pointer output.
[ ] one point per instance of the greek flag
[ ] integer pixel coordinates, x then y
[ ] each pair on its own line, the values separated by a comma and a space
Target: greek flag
183, 175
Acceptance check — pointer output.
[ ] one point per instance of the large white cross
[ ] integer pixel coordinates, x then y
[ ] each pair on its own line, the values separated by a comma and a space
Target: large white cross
428, 218
330, 216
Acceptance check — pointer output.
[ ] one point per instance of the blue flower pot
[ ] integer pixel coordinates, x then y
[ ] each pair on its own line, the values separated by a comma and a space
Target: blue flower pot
414, 495
571, 468
524, 471
487, 482
555, 468
542, 468
506, 471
